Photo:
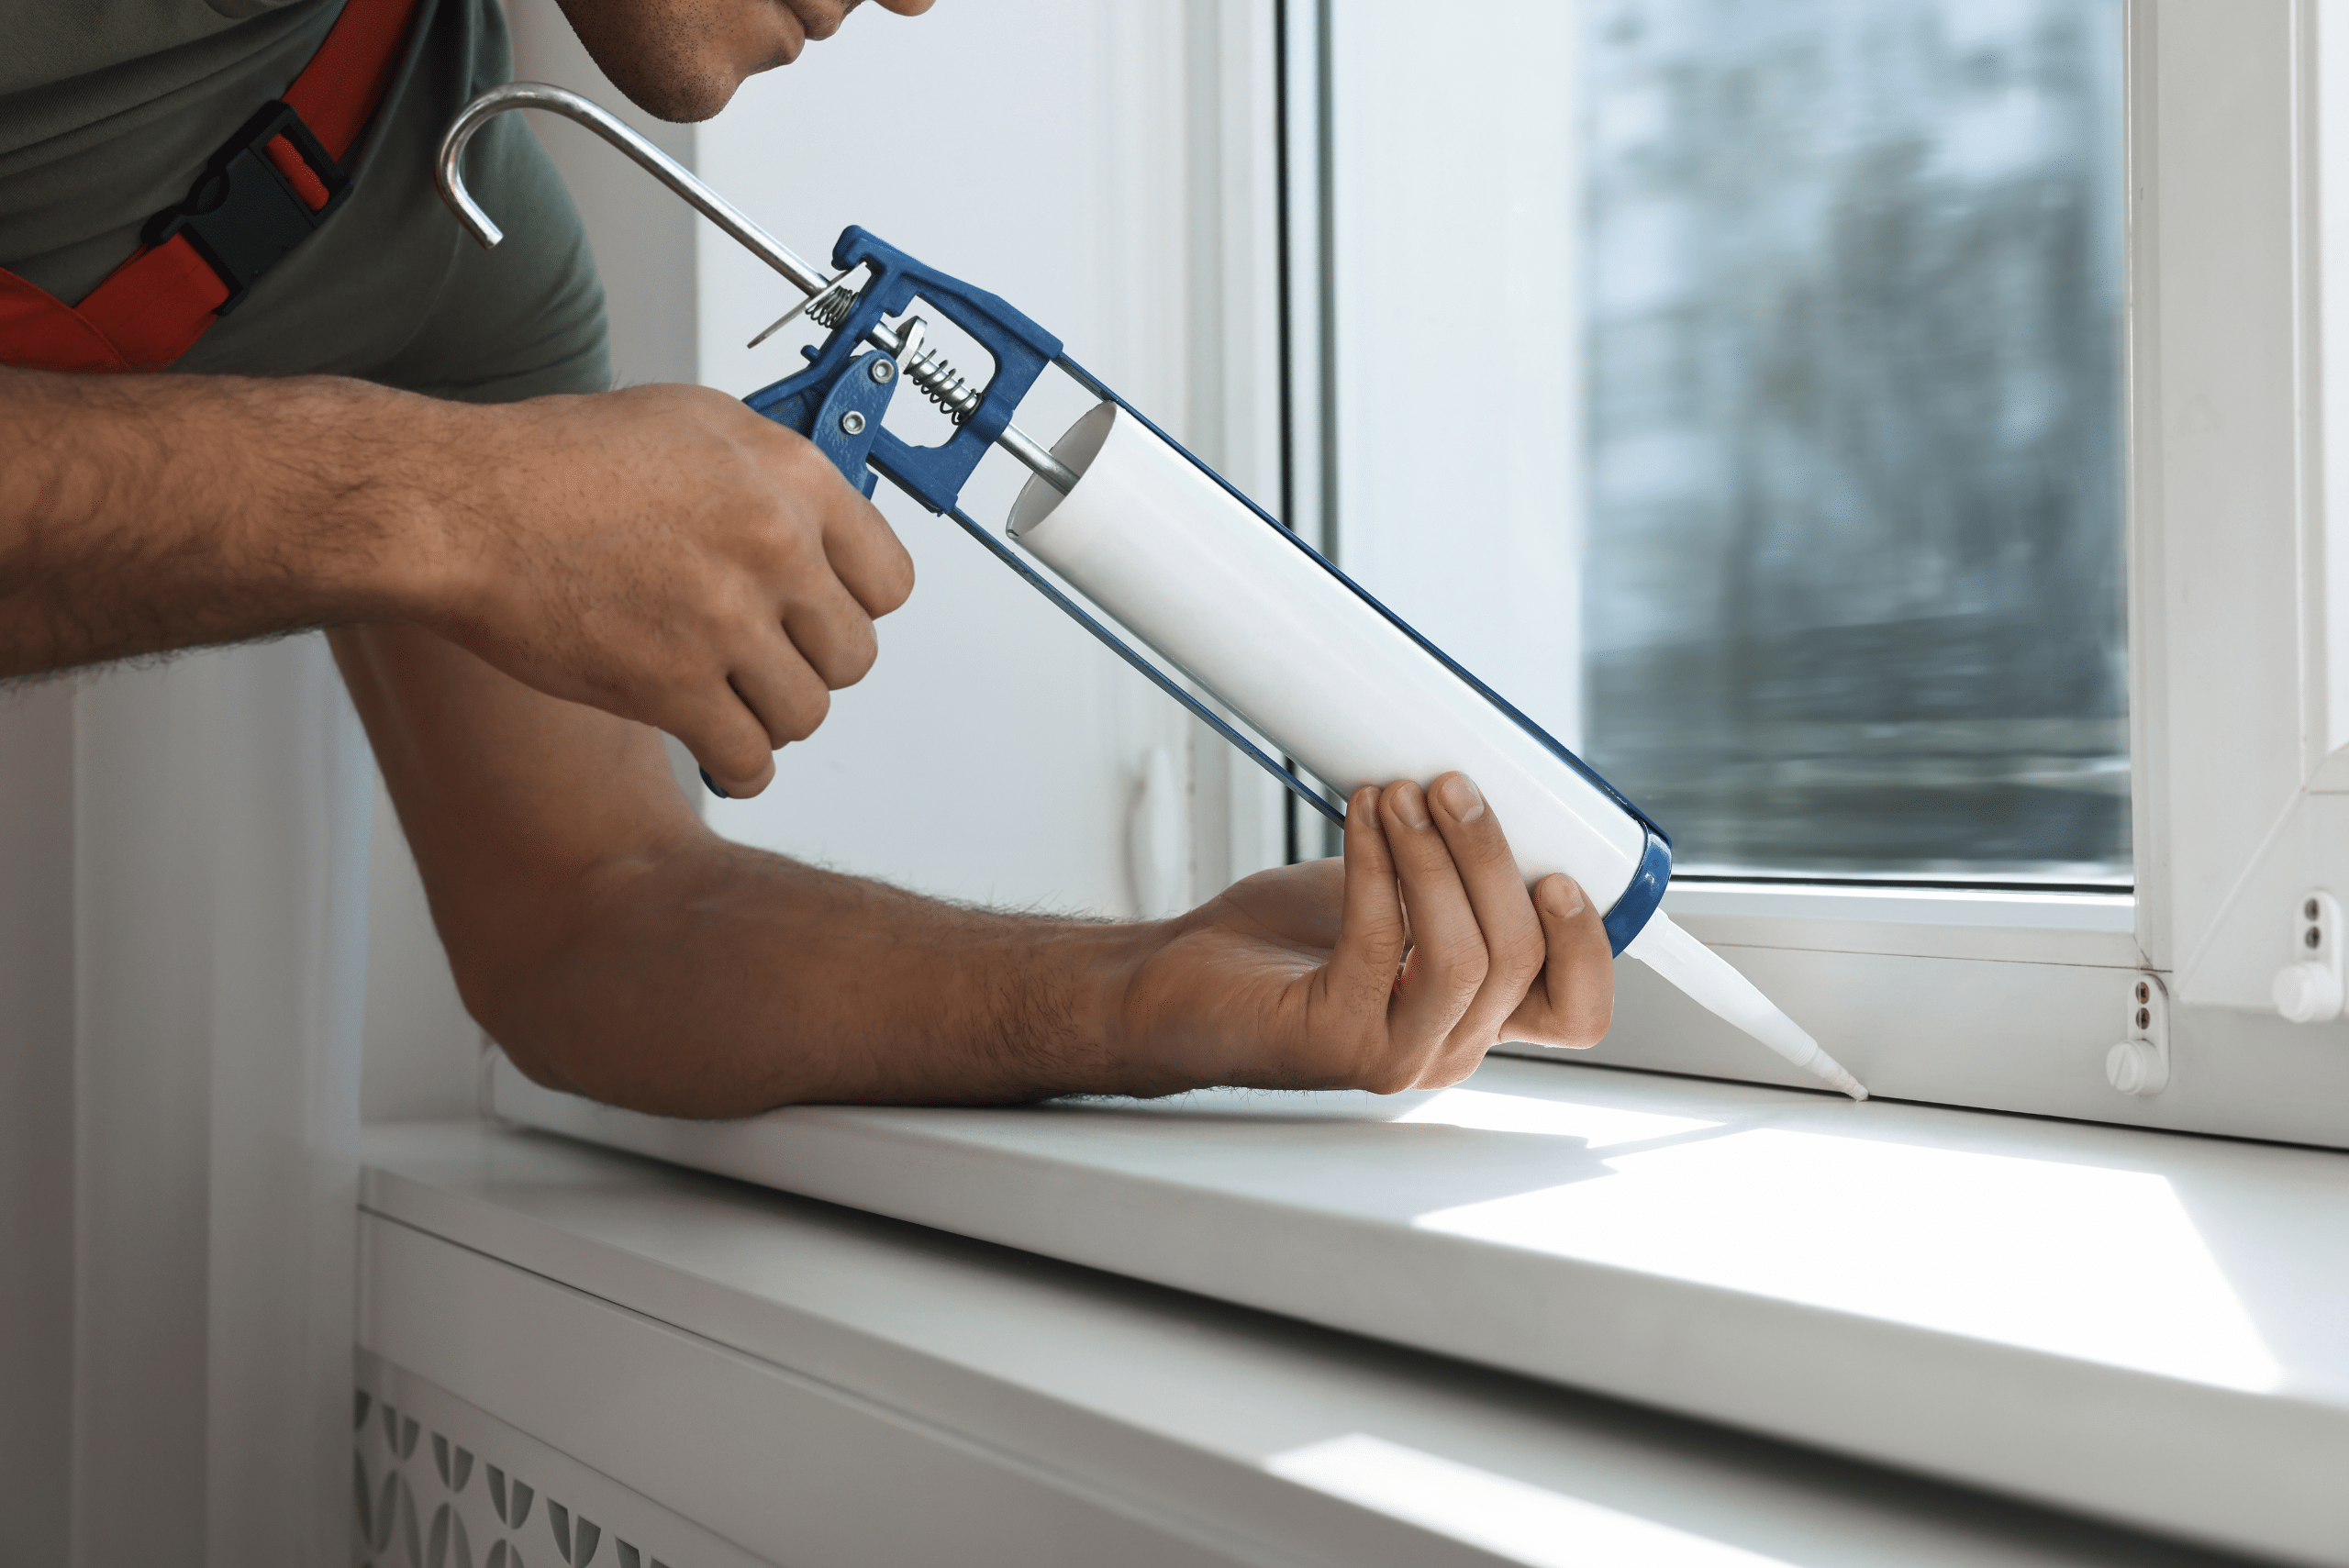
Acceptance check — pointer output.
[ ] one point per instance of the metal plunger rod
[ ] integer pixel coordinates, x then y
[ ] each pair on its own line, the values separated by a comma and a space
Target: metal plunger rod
709, 203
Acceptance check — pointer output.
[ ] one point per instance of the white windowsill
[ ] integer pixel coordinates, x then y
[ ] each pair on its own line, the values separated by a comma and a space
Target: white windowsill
2139, 1325
809, 1385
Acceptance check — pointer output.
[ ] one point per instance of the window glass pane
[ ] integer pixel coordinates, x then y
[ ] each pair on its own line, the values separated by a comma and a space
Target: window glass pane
1850, 282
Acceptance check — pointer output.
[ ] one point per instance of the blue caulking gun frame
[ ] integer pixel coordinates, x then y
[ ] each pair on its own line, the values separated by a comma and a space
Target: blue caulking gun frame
838, 400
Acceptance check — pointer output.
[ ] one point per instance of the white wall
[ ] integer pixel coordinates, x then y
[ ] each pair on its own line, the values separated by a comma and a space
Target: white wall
182, 892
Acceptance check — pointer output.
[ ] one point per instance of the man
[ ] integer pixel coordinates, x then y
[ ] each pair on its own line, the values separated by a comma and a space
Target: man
400, 438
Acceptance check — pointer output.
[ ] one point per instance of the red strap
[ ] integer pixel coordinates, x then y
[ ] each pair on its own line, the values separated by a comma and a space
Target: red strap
347, 78
153, 307
297, 172
38, 328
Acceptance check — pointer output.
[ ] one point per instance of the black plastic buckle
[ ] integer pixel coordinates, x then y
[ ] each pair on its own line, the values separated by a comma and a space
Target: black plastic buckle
243, 216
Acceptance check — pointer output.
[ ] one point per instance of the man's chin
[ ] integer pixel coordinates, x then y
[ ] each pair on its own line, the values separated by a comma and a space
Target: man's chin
678, 61
678, 97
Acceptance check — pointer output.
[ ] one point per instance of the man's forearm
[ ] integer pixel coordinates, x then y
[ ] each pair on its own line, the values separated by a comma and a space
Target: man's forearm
720, 981
140, 514
614, 945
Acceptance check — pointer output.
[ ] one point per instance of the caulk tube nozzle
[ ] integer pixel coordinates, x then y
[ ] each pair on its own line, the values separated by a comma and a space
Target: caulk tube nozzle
1709, 980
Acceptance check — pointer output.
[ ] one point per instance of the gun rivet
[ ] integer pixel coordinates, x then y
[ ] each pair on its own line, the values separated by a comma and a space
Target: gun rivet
852, 422
882, 369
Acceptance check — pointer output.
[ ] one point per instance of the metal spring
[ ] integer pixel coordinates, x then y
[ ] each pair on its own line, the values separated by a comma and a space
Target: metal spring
942, 386
833, 309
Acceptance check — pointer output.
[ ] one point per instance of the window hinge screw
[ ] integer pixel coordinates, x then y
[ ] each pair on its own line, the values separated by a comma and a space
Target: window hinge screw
2139, 1066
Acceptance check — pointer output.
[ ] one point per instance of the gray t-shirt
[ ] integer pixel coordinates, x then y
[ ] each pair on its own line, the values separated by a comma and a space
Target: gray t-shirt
110, 108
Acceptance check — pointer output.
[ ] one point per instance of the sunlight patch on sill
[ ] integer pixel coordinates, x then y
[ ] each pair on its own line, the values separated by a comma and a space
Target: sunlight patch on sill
1599, 1127
2077, 1261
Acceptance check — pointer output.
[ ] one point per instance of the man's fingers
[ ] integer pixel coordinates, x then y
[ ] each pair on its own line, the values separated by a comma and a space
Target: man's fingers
1447, 961
1370, 933
1513, 939
783, 692
832, 632
822, 637
865, 553
1573, 1002
728, 739
860, 547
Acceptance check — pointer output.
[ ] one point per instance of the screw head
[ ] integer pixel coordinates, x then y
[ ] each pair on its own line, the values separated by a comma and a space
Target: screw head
2314, 937
2144, 992
853, 423
2144, 1018
2308, 910
883, 368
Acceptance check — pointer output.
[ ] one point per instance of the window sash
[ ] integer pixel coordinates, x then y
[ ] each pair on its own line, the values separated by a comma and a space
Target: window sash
2012, 1000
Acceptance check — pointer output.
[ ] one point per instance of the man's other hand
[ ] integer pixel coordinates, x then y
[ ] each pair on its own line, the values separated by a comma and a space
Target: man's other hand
1395, 969
667, 555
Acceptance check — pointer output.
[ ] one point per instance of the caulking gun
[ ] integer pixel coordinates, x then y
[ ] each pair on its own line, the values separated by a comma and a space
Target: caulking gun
1195, 571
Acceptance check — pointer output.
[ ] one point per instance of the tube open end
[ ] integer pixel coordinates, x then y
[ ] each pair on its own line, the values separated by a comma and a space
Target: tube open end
1076, 448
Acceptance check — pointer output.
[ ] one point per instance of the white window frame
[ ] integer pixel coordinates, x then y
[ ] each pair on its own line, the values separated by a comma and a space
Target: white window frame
2239, 649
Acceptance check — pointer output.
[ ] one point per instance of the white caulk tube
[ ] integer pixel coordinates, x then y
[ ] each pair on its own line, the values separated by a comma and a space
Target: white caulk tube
1215, 591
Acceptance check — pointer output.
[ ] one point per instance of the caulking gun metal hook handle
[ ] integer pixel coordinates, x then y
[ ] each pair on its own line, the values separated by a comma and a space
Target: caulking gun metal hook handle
449, 173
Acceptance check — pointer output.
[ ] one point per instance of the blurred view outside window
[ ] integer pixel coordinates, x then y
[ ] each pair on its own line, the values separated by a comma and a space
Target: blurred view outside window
1852, 587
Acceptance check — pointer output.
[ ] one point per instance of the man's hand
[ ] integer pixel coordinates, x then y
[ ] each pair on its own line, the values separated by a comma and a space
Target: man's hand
663, 553
1398, 970
667, 555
